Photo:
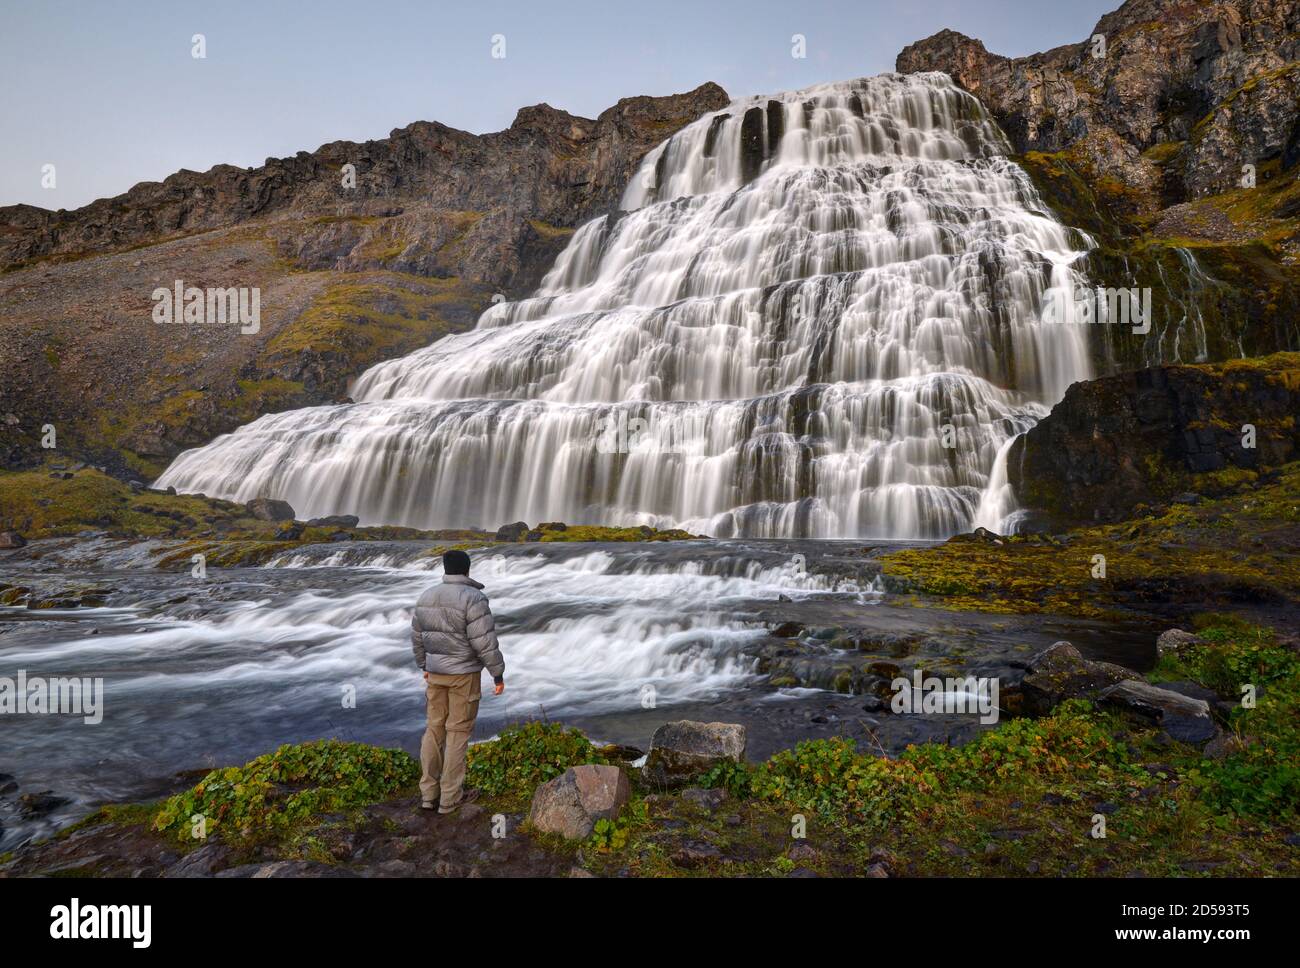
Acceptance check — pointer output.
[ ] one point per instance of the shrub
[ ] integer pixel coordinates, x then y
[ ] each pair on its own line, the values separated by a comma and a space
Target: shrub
1072, 739
524, 756
272, 793
829, 777
612, 835
1262, 780
1235, 653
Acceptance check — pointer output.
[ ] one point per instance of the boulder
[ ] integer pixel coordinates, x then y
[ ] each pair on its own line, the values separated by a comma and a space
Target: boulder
571, 804
681, 750
335, 521
289, 532
1060, 672
11, 539
269, 509
1185, 719
512, 532
1174, 641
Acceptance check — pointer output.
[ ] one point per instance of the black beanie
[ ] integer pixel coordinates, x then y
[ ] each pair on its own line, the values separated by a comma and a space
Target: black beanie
455, 562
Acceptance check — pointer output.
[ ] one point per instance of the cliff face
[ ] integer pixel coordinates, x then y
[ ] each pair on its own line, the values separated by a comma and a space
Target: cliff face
548, 166
1220, 80
1144, 147
1150, 436
438, 222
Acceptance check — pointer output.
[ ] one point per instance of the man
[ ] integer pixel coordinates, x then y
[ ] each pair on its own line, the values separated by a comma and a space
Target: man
454, 638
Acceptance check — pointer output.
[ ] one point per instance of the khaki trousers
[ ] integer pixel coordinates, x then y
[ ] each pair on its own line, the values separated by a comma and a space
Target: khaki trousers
452, 703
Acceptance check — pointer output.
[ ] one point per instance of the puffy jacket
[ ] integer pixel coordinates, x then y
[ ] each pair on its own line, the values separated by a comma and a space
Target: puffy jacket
453, 632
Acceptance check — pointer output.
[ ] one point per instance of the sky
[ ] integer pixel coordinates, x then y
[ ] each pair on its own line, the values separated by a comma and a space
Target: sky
109, 93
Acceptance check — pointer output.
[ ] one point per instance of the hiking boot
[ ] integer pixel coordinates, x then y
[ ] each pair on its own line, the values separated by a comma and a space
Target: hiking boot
428, 804
469, 796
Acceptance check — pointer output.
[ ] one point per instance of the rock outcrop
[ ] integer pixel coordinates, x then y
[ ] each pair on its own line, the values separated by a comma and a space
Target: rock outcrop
1152, 436
1219, 80
269, 509
548, 166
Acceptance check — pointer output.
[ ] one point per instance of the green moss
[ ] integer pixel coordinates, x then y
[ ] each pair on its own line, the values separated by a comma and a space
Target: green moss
550, 232
589, 532
1241, 546
38, 505
382, 316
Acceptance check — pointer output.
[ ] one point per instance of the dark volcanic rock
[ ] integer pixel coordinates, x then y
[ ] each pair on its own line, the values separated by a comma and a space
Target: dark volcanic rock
548, 165
1144, 437
1185, 719
269, 509
1060, 672
335, 521
11, 539
512, 532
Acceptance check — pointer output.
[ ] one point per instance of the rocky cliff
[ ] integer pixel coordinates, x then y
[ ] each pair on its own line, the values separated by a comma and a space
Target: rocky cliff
1160, 435
1147, 134
438, 221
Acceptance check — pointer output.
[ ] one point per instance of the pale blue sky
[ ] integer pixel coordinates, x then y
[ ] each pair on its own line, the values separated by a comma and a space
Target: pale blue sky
107, 90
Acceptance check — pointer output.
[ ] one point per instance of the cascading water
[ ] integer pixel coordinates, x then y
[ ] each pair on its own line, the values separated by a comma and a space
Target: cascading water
815, 314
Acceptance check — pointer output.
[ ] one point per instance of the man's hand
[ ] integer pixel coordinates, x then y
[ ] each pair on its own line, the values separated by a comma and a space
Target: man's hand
498, 688
426, 677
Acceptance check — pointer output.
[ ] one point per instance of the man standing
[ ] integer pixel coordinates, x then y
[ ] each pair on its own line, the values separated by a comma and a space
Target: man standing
454, 638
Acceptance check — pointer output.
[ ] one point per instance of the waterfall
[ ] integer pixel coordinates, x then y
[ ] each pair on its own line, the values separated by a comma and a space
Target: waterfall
817, 313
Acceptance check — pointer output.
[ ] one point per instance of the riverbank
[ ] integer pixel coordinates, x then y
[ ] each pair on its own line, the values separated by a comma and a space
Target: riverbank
798, 641
1084, 791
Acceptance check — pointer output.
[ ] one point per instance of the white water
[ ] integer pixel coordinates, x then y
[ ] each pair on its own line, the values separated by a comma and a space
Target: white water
761, 343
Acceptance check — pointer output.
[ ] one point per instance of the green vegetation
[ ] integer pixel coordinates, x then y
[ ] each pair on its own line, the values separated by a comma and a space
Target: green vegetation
38, 505
289, 789
525, 756
374, 316
1023, 798
1232, 652
1240, 547
591, 532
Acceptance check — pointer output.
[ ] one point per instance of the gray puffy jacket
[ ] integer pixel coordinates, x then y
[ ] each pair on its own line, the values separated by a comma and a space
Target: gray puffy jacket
452, 630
